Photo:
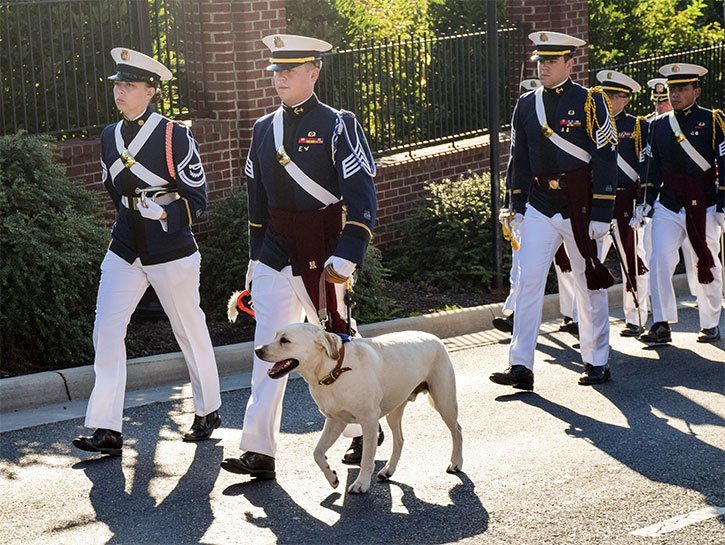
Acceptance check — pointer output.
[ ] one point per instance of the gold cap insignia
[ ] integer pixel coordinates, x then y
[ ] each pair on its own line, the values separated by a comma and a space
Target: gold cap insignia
660, 88
278, 42
675, 68
543, 37
533, 84
610, 75
125, 55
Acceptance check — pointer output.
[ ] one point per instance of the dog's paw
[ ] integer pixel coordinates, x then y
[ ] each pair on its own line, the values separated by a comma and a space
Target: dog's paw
358, 488
336, 482
453, 468
385, 474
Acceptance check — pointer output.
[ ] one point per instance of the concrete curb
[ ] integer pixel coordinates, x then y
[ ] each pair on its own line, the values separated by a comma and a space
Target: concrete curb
76, 383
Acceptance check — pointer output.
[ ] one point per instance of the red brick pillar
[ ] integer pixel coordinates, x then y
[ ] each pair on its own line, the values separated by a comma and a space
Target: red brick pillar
237, 88
567, 16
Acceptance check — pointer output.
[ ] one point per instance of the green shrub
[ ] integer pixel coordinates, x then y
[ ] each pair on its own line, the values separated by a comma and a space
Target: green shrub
447, 244
371, 304
53, 238
225, 254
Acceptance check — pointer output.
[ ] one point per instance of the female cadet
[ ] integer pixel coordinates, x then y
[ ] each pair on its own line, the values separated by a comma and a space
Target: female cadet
152, 171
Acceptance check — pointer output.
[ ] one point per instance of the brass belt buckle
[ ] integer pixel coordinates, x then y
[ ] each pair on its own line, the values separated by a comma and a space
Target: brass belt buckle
679, 136
127, 159
282, 156
546, 130
554, 184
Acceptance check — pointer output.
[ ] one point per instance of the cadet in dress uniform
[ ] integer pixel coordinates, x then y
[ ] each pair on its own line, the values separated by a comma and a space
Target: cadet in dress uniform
564, 139
513, 227
153, 173
632, 136
661, 102
687, 201
307, 162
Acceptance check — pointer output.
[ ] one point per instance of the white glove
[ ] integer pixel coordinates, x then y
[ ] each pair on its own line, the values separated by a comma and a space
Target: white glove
250, 274
338, 269
517, 220
150, 210
641, 213
598, 229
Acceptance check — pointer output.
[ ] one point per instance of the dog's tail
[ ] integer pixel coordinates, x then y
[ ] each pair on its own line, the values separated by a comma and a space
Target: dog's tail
232, 311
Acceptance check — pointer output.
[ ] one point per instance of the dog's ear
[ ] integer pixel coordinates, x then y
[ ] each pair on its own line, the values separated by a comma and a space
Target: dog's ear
232, 311
330, 343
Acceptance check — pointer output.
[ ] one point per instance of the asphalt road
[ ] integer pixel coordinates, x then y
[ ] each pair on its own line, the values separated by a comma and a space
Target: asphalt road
565, 464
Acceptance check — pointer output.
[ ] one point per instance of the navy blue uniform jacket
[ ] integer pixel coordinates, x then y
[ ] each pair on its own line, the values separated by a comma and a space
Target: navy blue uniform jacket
134, 236
336, 157
669, 157
533, 154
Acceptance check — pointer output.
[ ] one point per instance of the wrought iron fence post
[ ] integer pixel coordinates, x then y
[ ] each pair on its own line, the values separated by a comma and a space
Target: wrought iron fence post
493, 126
141, 24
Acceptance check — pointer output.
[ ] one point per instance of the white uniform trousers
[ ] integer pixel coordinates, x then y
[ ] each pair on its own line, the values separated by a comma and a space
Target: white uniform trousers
279, 299
567, 299
567, 293
508, 306
122, 285
630, 309
543, 235
668, 234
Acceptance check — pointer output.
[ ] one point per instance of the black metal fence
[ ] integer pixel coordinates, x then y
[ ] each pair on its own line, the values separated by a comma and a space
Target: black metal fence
417, 92
642, 70
54, 60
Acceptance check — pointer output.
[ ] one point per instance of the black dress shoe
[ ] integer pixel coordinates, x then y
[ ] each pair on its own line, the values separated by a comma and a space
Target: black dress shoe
103, 441
631, 330
257, 465
504, 324
595, 374
659, 333
517, 376
203, 426
570, 326
709, 335
354, 452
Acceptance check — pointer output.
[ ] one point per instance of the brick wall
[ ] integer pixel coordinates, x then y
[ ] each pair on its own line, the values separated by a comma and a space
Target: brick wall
567, 16
400, 180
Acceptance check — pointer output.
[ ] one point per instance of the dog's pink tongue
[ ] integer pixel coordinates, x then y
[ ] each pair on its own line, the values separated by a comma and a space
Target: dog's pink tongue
277, 367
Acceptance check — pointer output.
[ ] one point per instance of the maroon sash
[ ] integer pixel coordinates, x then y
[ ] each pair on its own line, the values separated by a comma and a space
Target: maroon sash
691, 190
312, 236
623, 209
562, 260
576, 186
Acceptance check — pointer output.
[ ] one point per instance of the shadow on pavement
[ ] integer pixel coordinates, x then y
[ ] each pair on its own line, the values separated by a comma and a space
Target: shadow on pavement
658, 441
129, 508
367, 518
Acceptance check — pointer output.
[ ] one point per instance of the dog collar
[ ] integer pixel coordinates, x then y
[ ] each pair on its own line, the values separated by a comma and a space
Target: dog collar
330, 378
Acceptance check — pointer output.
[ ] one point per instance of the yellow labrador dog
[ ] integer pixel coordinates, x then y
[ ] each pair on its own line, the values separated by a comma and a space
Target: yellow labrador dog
363, 380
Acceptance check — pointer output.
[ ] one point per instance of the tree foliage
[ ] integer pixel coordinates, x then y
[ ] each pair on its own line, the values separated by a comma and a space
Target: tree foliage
621, 30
